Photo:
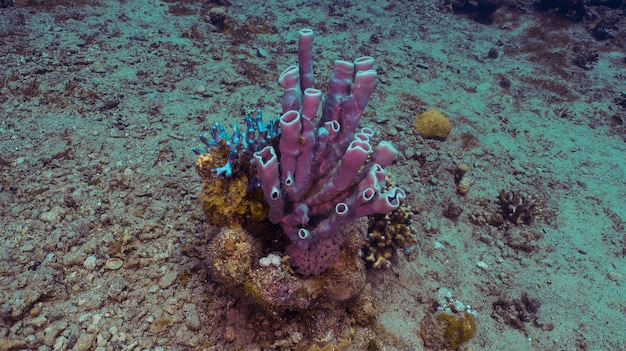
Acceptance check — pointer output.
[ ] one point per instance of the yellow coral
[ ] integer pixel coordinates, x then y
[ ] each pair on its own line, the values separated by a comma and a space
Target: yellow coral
225, 200
386, 234
447, 331
433, 124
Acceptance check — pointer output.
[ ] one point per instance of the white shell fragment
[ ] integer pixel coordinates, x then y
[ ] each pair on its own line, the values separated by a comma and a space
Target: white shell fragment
114, 263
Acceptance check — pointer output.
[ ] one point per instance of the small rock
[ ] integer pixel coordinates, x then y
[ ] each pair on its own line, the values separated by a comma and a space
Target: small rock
7, 344
477, 151
200, 89
382, 118
115, 133
90, 263
482, 265
98, 68
84, 317
27, 246
614, 276
60, 343
114, 263
73, 257
94, 326
51, 333
84, 342
168, 279
191, 316
38, 322
409, 153
217, 15
101, 340
53, 215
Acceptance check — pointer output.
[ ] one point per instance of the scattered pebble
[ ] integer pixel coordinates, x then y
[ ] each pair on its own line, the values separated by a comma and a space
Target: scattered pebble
6, 344
38, 322
168, 279
200, 89
614, 276
115, 133
114, 263
60, 343
191, 316
74, 257
52, 216
84, 342
94, 326
52, 331
97, 67
90, 263
27, 246
409, 153
437, 245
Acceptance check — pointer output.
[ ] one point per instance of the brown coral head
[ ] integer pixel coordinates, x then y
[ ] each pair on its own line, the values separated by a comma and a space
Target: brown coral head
517, 207
447, 331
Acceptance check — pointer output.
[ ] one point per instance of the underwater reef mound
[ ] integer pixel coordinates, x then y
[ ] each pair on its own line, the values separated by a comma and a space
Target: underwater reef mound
296, 200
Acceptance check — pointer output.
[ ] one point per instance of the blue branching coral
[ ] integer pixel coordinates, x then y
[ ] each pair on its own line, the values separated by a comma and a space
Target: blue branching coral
257, 137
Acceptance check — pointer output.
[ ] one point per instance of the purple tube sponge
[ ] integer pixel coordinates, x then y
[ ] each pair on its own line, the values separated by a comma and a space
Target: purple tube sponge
325, 173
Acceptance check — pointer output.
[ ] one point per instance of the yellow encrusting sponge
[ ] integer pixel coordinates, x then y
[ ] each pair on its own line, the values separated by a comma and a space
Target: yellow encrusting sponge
433, 124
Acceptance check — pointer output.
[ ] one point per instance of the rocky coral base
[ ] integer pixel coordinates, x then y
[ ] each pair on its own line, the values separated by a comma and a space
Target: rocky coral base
307, 308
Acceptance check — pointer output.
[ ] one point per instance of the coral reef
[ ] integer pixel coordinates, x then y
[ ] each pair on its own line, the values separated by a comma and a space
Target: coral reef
235, 259
269, 290
518, 208
230, 255
293, 197
517, 312
365, 307
447, 331
228, 201
316, 174
433, 124
450, 326
324, 173
230, 192
462, 179
238, 147
386, 234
